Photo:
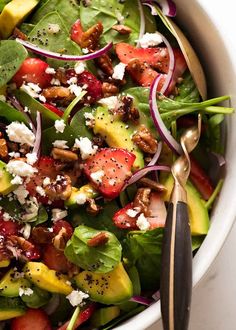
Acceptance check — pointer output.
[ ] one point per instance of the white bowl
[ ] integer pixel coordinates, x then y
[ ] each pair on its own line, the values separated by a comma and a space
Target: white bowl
209, 24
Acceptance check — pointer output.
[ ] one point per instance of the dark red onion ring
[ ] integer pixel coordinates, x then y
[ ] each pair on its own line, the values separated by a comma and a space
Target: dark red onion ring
168, 7
142, 300
157, 155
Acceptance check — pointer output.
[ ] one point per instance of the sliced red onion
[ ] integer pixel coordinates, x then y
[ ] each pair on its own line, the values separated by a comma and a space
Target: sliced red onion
157, 155
168, 7
142, 22
161, 127
52, 304
142, 300
63, 57
156, 296
154, 12
38, 135
141, 173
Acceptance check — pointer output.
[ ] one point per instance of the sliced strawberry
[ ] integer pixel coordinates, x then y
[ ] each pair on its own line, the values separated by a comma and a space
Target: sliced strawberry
122, 220
157, 58
35, 319
33, 70
59, 224
9, 227
54, 109
157, 210
55, 259
108, 169
200, 179
76, 32
83, 317
142, 73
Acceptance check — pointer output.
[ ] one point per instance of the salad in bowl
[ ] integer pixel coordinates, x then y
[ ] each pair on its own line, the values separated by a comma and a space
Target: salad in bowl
94, 98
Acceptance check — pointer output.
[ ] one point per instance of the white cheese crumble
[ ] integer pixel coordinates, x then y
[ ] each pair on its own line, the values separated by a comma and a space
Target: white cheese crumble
85, 50
21, 194
53, 28
42, 98
17, 180
150, 40
89, 118
26, 292
72, 80
74, 89
6, 216
20, 133
112, 102
61, 144
79, 67
58, 214
55, 82
86, 147
31, 158
97, 176
18, 167
26, 109
46, 181
132, 213
14, 154
81, 198
142, 222
60, 125
40, 191
50, 70
76, 297
119, 71
31, 207
26, 230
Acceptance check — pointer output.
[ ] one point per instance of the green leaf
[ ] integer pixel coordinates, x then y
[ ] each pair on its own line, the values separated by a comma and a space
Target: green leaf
48, 117
11, 114
78, 123
12, 54
100, 259
12, 207
3, 4
196, 242
26, 28
41, 217
71, 106
49, 135
68, 10
59, 42
187, 91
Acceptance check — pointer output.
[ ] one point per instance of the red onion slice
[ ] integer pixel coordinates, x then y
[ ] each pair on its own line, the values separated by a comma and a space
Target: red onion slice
63, 57
141, 173
157, 155
142, 300
38, 135
168, 7
161, 127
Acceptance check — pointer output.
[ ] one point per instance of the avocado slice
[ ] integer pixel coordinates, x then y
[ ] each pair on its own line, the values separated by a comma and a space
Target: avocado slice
5, 263
47, 279
10, 308
110, 288
104, 315
87, 189
198, 214
9, 285
116, 134
37, 299
5, 180
13, 14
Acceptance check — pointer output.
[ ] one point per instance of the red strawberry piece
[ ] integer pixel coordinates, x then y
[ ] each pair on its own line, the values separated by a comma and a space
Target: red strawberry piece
122, 220
108, 170
54, 109
83, 317
76, 32
35, 319
33, 70
142, 73
9, 227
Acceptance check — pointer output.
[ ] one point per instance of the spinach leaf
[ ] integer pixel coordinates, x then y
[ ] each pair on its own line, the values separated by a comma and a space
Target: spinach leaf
11, 114
41, 217
78, 123
68, 10
144, 250
12, 54
187, 89
196, 242
48, 117
3, 4
101, 259
12, 207
215, 133
59, 42
26, 28
49, 135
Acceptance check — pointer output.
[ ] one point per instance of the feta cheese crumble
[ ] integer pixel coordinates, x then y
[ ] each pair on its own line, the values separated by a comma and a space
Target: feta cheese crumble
60, 125
132, 213
79, 67
26, 230
53, 28
46, 181
26, 292
20, 133
142, 222
150, 40
76, 297
58, 214
50, 70
112, 102
97, 176
14, 154
17, 180
89, 119
40, 191
61, 144
119, 71
21, 194
18, 167
86, 147
31, 158
81, 198
74, 89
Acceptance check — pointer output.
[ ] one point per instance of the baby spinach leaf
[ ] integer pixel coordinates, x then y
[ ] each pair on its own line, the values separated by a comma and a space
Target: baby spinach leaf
50, 135
78, 123
11, 114
68, 10
26, 28
187, 90
12, 54
41, 217
48, 117
12, 207
3, 4
59, 42
101, 259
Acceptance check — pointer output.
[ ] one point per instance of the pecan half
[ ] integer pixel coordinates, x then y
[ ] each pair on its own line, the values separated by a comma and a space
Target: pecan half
90, 38
127, 110
59, 189
105, 64
98, 240
93, 209
64, 155
58, 93
17, 33
3, 148
109, 89
122, 29
142, 200
60, 240
145, 140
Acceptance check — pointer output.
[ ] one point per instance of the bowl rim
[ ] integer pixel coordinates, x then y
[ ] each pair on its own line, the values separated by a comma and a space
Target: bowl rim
205, 256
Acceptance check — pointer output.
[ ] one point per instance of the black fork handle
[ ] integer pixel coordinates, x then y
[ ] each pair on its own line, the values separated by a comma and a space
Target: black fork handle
176, 269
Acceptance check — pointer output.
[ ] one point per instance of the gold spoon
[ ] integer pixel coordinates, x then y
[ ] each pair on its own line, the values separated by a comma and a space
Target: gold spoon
176, 265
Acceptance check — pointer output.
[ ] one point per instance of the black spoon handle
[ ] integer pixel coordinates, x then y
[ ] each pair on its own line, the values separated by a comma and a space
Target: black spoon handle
176, 268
